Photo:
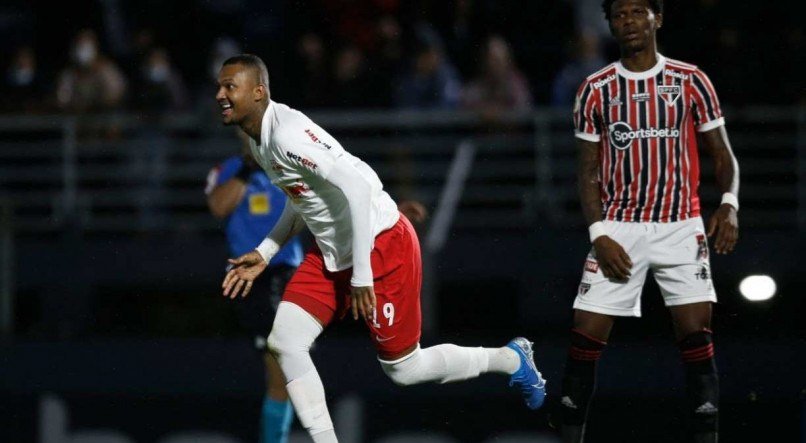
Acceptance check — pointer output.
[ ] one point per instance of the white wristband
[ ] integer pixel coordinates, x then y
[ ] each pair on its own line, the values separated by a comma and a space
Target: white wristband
596, 230
730, 199
267, 248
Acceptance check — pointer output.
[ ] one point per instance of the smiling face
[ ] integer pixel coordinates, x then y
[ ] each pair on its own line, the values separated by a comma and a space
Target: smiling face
634, 24
239, 93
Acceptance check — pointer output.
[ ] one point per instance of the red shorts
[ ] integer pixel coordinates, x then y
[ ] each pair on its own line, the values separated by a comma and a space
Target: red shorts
397, 271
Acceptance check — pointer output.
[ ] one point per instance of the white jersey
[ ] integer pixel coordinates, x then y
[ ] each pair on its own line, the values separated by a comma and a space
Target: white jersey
299, 157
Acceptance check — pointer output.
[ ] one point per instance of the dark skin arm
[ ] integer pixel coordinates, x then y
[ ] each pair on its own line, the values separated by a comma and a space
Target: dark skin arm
724, 223
225, 198
613, 260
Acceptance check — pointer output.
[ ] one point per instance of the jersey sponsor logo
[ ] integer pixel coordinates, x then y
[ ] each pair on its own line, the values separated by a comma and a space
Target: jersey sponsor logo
304, 161
296, 191
316, 139
675, 74
641, 97
615, 101
604, 81
669, 93
622, 134
591, 266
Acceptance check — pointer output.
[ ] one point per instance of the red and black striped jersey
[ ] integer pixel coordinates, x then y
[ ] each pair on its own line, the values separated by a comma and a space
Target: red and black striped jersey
645, 124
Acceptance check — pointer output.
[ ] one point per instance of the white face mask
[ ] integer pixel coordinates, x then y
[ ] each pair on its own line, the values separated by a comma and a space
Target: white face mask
215, 67
84, 53
22, 76
158, 73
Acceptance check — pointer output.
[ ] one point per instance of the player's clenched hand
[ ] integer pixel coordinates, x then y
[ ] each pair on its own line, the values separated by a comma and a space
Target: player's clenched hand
363, 302
244, 270
613, 260
725, 224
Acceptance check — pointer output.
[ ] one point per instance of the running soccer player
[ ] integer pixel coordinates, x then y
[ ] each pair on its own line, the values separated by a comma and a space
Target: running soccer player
637, 124
240, 194
367, 259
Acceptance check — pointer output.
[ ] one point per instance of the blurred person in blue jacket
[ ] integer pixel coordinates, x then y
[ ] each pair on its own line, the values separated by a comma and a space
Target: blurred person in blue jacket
240, 194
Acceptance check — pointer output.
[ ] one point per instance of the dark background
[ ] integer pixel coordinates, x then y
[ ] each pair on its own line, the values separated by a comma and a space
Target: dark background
117, 322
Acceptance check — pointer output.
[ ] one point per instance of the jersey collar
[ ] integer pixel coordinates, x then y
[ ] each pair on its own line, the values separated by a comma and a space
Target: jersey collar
267, 124
651, 72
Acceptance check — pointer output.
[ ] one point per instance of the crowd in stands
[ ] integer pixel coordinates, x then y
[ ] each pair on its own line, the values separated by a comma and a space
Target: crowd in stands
356, 54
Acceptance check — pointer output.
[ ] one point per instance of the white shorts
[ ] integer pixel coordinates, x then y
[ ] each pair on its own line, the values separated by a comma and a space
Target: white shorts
677, 254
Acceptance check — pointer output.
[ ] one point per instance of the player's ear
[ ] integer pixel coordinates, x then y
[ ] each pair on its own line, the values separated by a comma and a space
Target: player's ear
260, 92
658, 21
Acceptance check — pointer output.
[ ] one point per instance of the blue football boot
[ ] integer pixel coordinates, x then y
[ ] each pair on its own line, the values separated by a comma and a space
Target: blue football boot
527, 377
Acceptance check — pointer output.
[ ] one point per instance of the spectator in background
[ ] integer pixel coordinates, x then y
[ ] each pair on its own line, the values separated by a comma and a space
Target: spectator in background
91, 82
22, 88
351, 81
387, 59
160, 87
500, 85
432, 82
586, 58
314, 78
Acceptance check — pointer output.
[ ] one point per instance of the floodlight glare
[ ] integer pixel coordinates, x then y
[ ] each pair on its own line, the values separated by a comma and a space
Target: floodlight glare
757, 287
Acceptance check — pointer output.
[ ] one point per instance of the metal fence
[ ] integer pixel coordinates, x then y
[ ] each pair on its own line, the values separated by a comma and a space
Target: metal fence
129, 174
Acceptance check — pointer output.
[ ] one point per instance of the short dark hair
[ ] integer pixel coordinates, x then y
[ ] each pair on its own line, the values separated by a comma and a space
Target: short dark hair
655, 5
253, 62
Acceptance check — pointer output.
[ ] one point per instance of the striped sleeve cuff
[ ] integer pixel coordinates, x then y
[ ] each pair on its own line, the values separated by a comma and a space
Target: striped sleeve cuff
707, 126
587, 137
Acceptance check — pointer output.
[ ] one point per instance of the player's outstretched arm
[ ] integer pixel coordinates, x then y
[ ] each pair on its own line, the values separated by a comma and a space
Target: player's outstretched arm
613, 260
725, 222
242, 274
245, 269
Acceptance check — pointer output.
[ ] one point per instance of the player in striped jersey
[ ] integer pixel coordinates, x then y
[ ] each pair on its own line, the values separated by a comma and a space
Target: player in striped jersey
638, 123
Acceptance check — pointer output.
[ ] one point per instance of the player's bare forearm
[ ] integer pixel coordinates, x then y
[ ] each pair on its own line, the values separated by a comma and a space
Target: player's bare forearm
588, 161
724, 222
715, 142
225, 198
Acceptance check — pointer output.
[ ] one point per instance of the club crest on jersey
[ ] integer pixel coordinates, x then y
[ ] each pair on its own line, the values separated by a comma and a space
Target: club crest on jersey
669, 93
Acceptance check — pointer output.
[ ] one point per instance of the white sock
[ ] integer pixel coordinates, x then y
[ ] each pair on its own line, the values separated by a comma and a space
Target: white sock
503, 360
448, 363
325, 437
290, 341
308, 397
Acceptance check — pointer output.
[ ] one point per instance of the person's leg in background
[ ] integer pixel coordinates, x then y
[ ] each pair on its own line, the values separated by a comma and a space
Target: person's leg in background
588, 340
277, 413
692, 327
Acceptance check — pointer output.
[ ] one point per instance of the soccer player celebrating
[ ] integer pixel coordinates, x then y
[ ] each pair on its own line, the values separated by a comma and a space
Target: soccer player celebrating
367, 259
240, 193
637, 124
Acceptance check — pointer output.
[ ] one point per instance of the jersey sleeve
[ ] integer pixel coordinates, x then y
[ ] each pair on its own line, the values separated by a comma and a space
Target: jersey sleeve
586, 114
221, 173
705, 104
309, 149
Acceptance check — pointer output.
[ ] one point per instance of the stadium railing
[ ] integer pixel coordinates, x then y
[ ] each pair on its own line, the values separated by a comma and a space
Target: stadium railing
133, 174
